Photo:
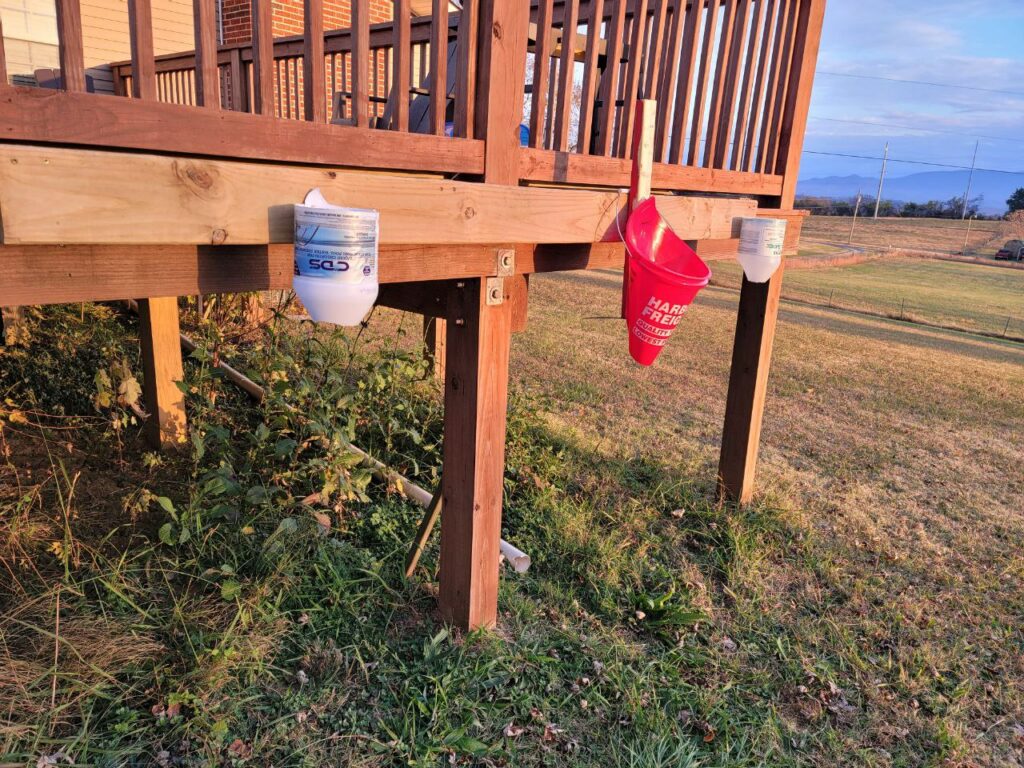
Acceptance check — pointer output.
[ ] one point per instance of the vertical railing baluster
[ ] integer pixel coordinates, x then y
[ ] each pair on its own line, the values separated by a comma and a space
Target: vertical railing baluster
140, 38
655, 54
3, 58
732, 84
360, 61
703, 77
263, 57
782, 88
609, 88
634, 68
754, 61
687, 62
669, 74
566, 67
313, 75
465, 82
785, 7
438, 65
718, 80
590, 76
237, 84
757, 100
402, 39
541, 73
207, 87
71, 53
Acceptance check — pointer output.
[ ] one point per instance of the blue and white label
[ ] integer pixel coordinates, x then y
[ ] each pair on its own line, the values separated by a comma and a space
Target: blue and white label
335, 243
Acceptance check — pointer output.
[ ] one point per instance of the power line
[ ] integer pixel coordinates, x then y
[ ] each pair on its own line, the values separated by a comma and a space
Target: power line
921, 82
912, 162
912, 128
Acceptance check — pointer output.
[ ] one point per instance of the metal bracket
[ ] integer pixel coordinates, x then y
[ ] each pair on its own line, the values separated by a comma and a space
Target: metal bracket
495, 288
506, 266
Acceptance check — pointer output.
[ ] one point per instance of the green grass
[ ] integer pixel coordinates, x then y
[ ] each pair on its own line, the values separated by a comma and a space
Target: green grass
213, 611
951, 294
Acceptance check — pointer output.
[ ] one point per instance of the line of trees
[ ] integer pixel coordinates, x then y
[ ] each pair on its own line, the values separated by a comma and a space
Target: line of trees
933, 209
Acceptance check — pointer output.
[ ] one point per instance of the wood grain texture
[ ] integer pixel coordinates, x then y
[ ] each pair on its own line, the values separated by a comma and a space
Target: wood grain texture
438, 66
631, 86
465, 81
3, 59
113, 272
44, 115
262, 56
475, 405
703, 79
748, 386
71, 52
314, 85
566, 67
58, 196
140, 33
591, 76
403, 65
361, 63
610, 80
162, 370
752, 72
541, 73
684, 80
794, 124
207, 73
566, 168
720, 80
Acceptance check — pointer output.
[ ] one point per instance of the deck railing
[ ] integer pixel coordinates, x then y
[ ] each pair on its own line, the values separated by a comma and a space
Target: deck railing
726, 75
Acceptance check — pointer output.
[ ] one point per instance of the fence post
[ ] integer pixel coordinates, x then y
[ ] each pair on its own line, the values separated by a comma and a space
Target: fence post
159, 336
759, 303
479, 335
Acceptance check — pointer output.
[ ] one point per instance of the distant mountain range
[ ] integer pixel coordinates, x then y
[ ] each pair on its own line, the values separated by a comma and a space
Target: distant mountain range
921, 187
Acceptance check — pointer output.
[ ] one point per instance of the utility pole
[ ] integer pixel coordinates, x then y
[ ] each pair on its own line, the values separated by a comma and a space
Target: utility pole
970, 180
968, 235
881, 179
856, 208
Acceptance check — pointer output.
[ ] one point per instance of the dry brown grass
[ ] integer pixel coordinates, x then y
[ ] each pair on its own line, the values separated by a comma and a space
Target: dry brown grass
898, 448
945, 235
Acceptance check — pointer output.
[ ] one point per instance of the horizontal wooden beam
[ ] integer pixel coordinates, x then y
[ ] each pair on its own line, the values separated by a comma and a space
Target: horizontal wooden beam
47, 274
44, 115
543, 165
54, 195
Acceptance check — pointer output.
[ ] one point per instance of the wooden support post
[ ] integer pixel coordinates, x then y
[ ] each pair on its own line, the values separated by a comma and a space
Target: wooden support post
479, 336
748, 384
162, 369
759, 303
435, 330
475, 400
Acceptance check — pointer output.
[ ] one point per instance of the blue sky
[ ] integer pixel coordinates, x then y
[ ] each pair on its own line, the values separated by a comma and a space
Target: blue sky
978, 43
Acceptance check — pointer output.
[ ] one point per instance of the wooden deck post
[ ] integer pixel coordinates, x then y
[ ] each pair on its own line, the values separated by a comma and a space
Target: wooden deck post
475, 399
479, 335
759, 303
162, 369
434, 346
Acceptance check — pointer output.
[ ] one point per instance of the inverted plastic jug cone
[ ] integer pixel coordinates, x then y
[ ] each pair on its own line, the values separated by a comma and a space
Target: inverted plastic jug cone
664, 275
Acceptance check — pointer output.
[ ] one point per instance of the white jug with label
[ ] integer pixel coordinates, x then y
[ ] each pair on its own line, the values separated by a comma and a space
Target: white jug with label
335, 260
760, 251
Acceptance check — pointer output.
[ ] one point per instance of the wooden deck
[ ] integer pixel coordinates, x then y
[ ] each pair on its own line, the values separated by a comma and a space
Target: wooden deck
504, 129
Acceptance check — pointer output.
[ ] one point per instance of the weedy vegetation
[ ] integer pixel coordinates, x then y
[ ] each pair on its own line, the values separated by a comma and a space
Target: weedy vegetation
242, 602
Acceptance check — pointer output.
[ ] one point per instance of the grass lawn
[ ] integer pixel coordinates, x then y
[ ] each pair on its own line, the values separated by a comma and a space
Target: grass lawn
946, 235
242, 603
972, 297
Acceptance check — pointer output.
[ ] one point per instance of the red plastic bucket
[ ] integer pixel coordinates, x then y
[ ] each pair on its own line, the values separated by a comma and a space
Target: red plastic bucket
663, 276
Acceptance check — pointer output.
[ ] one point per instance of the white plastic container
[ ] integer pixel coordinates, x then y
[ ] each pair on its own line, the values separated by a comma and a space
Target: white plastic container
335, 260
760, 250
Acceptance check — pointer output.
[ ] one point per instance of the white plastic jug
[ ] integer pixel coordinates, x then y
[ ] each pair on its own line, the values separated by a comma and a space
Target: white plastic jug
760, 250
335, 260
